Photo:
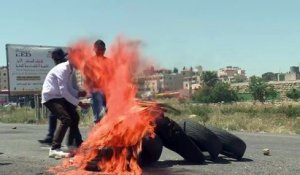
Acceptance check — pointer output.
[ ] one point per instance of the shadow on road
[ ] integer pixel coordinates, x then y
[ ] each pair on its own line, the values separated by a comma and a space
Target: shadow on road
6, 163
169, 163
226, 160
165, 167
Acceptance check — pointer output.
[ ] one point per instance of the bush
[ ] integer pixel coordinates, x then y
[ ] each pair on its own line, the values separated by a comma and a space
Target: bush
244, 97
202, 95
289, 111
293, 94
260, 90
221, 92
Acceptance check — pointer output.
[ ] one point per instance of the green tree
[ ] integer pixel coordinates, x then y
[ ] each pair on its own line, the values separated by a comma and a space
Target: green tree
221, 92
202, 95
293, 94
175, 70
209, 78
260, 90
271, 93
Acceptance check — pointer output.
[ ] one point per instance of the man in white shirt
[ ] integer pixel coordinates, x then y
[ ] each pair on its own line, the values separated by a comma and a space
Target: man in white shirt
58, 56
60, 97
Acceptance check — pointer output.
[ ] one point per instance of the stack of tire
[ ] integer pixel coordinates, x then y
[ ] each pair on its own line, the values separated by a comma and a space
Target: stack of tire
190, 139
187, 138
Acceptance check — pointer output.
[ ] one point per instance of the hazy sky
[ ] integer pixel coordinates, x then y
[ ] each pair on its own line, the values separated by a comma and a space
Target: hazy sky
256, 35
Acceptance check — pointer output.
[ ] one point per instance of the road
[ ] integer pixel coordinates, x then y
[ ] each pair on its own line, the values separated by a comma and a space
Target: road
21, 154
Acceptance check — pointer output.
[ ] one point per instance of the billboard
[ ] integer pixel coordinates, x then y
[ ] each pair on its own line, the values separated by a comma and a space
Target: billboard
28, 66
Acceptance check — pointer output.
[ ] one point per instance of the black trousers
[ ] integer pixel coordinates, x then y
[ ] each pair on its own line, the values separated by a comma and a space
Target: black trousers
52, 120
67, 114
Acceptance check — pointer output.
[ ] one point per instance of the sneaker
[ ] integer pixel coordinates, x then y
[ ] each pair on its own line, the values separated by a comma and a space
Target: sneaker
57, 153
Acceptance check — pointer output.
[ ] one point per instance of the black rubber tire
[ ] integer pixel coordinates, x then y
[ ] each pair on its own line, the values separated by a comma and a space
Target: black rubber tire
174, 138
233, 146
205, 139
151, 150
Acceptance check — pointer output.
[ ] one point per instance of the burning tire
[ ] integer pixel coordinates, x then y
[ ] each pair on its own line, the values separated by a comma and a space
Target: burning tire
233, 146
151, 150
104, 154
205, 139
174, 138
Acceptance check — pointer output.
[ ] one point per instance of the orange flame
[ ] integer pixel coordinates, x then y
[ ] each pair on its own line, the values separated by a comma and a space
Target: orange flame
126, 122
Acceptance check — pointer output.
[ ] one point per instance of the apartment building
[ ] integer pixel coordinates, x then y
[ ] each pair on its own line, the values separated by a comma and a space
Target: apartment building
229, 73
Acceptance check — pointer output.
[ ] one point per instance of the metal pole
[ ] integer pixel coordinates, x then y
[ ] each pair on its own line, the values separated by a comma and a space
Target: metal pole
37, 107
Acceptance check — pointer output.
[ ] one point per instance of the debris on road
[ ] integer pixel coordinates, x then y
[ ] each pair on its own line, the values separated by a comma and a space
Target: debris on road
266, 152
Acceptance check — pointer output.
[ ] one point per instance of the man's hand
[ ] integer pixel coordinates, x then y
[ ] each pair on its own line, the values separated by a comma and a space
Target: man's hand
83, 105
82, 94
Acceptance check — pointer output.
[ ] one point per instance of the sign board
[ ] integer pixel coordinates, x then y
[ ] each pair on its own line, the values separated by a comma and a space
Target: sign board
28, 66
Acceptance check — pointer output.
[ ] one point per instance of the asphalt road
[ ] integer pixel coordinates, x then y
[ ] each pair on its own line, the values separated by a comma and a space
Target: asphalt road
21, 154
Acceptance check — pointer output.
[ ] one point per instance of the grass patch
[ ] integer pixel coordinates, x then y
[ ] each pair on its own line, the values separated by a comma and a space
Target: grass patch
241, 116
14, 114
244, 116
245, 96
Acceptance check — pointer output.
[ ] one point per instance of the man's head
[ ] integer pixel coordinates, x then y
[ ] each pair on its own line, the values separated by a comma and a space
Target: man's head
58, 55
99, 48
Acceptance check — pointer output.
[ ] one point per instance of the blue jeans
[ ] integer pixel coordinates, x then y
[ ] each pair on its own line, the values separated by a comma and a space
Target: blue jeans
98, 103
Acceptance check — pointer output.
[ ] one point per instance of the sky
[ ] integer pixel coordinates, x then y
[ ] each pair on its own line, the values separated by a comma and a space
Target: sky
258, 35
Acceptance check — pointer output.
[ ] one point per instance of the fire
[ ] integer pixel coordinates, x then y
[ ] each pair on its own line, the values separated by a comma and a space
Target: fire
115, 142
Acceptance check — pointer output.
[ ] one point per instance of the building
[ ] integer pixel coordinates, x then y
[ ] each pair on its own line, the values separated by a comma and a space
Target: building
230, 73
192, 79
164, 80
3, 85
3, 78
161, 82
293, 74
